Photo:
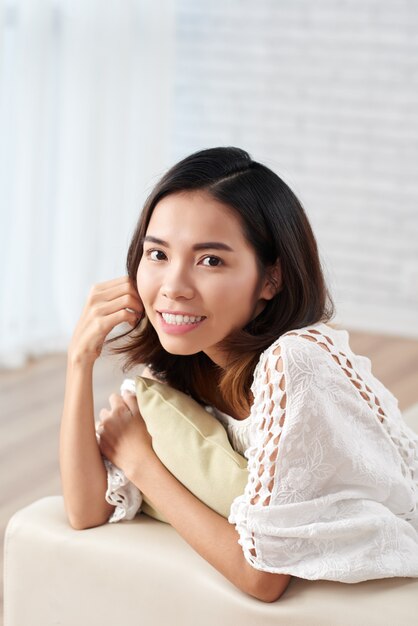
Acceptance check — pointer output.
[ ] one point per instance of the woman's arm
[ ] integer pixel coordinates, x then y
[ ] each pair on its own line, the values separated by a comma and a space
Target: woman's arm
210, 534
126, 442
83, 474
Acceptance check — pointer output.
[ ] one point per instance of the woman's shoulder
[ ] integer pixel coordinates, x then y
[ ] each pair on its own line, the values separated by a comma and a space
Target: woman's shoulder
321, 352
269, 368
320, 333
315, 351
327, 337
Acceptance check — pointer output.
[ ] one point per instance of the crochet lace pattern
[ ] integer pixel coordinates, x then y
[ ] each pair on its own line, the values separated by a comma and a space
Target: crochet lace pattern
268, 419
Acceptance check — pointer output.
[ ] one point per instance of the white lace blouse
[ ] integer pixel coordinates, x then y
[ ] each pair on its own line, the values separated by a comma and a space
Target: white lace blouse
333, 468
333, 486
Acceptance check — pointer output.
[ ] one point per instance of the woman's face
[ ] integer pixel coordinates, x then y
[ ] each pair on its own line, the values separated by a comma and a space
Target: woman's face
198, 277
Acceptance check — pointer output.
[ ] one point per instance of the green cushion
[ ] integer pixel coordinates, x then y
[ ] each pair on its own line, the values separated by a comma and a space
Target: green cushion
193, 446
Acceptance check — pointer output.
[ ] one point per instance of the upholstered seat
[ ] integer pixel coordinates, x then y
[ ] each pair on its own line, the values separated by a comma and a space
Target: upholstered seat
142, 572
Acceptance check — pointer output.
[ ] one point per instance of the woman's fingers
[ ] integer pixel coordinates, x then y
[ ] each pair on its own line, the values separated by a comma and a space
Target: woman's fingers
130, 399
121, 295
113, 288
103, 414
126, 301
122, 404
108, 305
122, 281
117, 303
120, 408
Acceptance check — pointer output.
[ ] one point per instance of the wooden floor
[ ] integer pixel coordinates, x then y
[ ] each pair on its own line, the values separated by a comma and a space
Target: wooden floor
31, 404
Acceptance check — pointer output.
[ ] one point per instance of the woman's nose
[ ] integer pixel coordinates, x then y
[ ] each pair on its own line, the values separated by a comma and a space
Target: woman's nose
177, 285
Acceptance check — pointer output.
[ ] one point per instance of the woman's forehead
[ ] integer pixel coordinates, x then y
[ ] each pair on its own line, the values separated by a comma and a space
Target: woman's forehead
196, 214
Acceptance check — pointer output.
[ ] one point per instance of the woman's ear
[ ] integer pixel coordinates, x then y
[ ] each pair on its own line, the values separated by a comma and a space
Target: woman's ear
272, 281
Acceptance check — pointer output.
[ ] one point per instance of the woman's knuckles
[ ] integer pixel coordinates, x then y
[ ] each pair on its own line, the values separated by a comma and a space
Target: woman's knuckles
131, 402
116, 399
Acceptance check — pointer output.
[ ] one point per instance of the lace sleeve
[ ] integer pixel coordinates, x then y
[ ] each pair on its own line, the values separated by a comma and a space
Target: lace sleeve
267, 415
327, 489
121, 493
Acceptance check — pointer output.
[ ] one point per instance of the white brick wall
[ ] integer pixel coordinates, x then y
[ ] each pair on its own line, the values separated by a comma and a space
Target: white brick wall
326, 94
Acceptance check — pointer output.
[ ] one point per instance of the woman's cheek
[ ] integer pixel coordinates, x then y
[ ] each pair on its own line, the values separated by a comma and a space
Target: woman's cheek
143, 283
147, 286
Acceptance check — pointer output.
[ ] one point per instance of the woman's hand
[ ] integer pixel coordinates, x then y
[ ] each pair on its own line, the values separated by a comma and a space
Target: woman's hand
106, 307
124, 438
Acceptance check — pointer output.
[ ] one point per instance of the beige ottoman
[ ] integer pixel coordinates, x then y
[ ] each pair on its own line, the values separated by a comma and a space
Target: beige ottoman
142, 572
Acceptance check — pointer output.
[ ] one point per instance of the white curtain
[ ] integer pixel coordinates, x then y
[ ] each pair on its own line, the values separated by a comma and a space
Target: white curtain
98, 98
84, 102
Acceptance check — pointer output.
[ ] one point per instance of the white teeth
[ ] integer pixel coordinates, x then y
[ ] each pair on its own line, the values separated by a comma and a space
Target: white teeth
170, 318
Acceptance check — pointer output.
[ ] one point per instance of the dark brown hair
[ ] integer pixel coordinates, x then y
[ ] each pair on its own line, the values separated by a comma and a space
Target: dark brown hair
276, 226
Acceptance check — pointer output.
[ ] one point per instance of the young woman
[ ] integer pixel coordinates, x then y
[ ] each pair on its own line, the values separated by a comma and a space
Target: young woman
228, 303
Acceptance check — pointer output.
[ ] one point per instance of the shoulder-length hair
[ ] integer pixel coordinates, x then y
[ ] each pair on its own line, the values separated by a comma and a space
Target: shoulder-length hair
275, 224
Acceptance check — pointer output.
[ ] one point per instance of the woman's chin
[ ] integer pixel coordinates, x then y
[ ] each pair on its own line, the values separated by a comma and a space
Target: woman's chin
180, 350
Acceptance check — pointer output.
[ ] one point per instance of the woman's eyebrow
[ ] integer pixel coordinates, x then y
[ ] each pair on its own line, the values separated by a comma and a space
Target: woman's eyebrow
206, 245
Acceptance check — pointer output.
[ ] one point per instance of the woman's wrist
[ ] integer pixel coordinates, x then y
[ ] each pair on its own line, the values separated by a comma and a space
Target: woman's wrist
76, 359
141, 474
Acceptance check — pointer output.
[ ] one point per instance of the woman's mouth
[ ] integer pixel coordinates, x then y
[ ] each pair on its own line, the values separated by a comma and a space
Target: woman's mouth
172, 318
176, 324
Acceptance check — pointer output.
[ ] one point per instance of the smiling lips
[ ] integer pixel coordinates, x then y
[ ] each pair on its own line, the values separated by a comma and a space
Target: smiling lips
179, 319
176, 324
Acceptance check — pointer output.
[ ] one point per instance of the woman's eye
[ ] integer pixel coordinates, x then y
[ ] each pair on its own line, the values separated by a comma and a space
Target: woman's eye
212, 261
155, 255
